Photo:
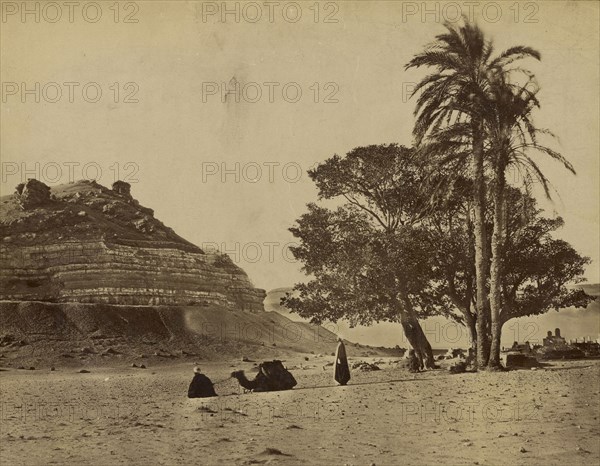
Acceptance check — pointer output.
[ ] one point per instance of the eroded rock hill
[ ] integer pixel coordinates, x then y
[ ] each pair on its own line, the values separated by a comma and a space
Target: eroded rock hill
83, 242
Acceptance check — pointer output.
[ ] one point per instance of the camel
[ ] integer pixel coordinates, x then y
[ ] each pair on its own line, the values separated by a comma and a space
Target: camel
272, 376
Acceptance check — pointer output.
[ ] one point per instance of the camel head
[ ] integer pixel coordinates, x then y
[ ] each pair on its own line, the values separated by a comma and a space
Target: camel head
243, 380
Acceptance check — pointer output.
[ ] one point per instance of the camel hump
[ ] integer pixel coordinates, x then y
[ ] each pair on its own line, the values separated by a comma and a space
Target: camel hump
278, 375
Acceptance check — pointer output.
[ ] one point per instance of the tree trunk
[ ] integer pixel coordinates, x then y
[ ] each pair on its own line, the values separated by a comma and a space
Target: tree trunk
480, 244
426, 351
415, 335
417, 339
496, 268
495, 348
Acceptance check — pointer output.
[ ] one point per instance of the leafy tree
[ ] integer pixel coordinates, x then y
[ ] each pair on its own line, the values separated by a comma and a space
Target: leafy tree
369, 257
536, 274
539, 268
391, 253
451, 241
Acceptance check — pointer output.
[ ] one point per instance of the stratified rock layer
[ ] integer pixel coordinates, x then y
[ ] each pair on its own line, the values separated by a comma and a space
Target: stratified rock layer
87, 243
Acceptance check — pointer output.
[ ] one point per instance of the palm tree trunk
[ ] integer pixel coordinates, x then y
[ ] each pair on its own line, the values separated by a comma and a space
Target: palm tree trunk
471, 331
496, 267
480, 245
486, 339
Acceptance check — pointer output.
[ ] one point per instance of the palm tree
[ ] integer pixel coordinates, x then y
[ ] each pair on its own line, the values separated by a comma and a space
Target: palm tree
513, 139
451, 112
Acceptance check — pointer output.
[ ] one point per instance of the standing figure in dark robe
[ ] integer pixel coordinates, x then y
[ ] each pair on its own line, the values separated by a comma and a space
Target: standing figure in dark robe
342, 372
201, 386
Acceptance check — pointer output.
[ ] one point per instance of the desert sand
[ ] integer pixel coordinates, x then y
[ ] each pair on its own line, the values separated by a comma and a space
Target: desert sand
117, 414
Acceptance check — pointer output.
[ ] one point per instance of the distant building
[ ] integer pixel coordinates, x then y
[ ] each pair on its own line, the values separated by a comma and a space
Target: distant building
122, 187
523, 348
588, 346
519, 355
554, 340
556, 347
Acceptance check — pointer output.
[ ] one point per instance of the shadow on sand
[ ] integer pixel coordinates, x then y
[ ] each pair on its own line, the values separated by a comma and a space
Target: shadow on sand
336, 386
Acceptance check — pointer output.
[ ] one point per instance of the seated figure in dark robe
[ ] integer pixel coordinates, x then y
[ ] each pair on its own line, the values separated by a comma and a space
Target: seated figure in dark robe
201, 386
414, 365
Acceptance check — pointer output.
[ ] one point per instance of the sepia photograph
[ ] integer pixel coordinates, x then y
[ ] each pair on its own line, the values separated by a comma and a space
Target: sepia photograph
350, 232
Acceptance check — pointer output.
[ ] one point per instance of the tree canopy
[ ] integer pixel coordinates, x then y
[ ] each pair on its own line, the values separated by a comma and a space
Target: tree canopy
387, 253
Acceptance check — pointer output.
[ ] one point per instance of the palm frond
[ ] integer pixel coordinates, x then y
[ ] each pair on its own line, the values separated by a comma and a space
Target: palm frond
512, 54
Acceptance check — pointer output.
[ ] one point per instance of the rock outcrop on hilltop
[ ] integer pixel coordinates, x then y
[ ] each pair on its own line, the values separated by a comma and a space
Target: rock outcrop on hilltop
83, 242
32, 194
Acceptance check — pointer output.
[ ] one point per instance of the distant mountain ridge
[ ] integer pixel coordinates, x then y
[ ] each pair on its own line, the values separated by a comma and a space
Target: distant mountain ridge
593, 289
443, 333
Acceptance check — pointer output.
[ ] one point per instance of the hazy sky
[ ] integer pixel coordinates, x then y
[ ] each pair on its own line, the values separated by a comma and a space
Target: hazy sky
175, 141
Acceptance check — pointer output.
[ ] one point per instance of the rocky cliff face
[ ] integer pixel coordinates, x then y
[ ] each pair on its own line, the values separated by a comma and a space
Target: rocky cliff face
83, 242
